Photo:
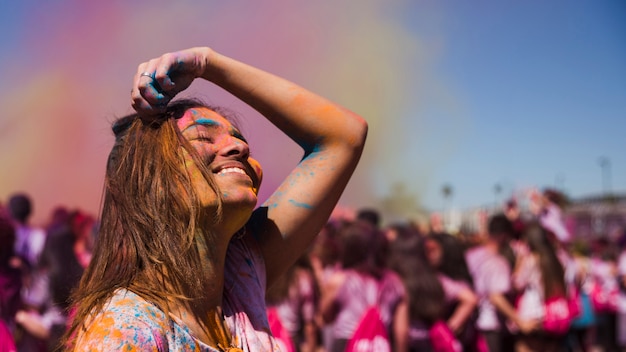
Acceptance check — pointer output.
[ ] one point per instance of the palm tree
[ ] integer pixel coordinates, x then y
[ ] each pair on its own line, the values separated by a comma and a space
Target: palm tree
447, 191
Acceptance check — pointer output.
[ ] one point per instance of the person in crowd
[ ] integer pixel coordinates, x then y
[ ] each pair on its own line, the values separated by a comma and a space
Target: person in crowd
621, 280
436, 223
517, 246
491, 274
293, 299
182, 259
10, 275
325, 260
369, 215
29, 239
445, 255
61, 270
547, 206
542, 273
84, 228
604, 292
403, 240
426, 302
582, 327
433, 297
364, 281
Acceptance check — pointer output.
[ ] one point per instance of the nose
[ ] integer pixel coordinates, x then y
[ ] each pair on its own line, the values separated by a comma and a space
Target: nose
233, 146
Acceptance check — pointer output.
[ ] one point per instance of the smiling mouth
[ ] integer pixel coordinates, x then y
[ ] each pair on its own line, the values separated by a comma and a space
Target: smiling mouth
232, 170
240, 171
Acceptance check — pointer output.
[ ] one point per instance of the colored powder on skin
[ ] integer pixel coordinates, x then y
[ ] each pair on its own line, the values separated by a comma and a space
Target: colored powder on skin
205, 121
301, 205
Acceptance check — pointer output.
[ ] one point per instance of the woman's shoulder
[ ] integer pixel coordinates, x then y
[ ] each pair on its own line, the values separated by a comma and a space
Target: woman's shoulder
451, 287
125, 320
126, 303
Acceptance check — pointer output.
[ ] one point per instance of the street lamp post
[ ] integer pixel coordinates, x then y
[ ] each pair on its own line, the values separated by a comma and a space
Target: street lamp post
605, 165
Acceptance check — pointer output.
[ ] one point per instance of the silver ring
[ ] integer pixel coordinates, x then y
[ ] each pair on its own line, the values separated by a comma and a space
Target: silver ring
147, 74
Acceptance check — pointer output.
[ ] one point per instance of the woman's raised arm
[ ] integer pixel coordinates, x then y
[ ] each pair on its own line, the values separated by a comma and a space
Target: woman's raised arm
331, 137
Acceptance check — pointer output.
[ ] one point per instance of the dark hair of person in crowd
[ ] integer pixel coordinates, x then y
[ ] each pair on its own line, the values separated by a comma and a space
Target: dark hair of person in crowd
370, 215
452, 261
552, 272
425, 292
500, 226
364, 249
64, 270
501, 230
556, 197
327, 246
404, 244
59, 220
20, 207
513, 213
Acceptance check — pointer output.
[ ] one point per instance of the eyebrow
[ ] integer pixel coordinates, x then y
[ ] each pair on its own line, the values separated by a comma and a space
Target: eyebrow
212, 123
205, 121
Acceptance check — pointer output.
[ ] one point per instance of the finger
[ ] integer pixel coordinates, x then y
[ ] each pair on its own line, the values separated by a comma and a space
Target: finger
164, 70
143, 107
143, 91
148, 86
134, 91
137, 101
151, 92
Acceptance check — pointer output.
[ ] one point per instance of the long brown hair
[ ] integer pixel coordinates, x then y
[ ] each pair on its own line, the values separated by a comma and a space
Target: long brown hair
423, 288
552, 272
150, 239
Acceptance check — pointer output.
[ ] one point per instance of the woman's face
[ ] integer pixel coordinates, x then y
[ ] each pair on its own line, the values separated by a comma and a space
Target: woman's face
226, 153
433, 252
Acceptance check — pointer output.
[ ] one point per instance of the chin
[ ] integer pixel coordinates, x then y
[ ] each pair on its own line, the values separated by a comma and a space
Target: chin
244, 206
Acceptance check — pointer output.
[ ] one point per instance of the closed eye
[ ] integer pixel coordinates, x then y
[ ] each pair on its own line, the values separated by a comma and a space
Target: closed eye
239, 136
204, 138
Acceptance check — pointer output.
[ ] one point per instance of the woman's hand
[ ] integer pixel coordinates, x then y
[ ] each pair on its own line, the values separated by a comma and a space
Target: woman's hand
159, 80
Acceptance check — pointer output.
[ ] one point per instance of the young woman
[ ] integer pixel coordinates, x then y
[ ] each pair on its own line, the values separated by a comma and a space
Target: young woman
444, 254
182, 259
363, 281
542, 273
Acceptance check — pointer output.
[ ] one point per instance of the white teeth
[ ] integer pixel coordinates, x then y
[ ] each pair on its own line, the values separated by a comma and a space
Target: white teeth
231, 169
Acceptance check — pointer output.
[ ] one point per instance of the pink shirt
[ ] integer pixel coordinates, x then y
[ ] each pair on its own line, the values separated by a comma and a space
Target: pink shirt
491, 274
451, 288
358, 293
299, 307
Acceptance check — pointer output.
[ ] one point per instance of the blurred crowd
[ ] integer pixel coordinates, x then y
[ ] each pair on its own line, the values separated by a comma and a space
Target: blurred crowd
39, 267
520, 282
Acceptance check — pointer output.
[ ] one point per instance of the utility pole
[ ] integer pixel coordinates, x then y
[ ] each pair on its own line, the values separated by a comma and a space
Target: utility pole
605, 166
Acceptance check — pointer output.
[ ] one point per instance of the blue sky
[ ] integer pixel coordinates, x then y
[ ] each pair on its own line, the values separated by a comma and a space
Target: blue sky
543, 90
